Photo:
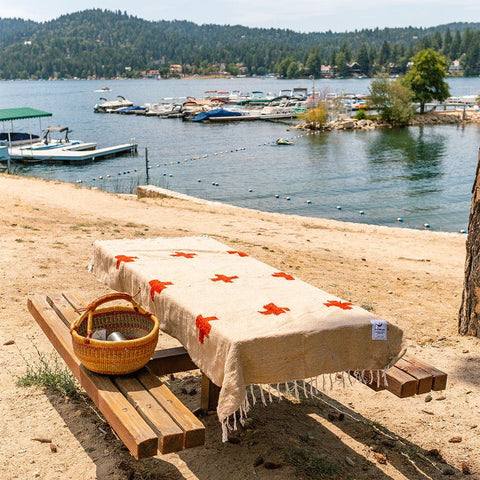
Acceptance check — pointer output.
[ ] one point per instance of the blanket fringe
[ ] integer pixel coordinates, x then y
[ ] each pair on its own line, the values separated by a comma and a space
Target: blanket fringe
309, 387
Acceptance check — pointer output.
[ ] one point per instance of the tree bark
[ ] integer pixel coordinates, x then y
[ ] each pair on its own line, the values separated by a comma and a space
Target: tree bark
469, 315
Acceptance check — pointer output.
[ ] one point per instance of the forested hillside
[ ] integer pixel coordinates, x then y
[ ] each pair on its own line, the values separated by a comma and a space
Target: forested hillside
108, 44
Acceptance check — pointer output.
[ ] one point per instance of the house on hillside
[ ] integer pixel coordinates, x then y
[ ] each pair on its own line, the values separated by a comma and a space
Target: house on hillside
150, 73
455, 68
176, 69
328, 71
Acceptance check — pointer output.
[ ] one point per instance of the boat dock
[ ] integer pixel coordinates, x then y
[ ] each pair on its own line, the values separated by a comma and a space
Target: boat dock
67, 156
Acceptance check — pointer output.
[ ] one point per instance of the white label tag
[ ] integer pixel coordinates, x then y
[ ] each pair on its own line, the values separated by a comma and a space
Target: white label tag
379, 329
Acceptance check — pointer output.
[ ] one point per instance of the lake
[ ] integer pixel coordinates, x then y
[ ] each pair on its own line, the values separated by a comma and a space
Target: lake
421, 174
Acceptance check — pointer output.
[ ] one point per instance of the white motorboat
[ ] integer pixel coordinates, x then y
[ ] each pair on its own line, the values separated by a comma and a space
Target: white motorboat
49, 142
111, 106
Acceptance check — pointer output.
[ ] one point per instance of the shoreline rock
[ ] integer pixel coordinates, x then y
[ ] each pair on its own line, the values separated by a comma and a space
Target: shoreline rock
430, 118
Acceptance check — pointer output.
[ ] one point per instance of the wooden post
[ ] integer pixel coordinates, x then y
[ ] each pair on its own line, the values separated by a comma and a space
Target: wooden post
469, 315
209, 395
146, 164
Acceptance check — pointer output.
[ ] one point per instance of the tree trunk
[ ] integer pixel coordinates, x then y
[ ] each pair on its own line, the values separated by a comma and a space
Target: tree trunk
469, 315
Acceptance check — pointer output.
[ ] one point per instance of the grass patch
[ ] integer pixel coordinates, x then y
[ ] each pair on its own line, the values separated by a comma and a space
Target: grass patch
368, 307
309, 466
48, 372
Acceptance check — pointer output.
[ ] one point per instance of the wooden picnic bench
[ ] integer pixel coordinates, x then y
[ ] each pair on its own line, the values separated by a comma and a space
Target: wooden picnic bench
145, 414
140, 408
410, 376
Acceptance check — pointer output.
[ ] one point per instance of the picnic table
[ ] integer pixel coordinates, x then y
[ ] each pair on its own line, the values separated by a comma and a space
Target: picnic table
242, 322
245, 323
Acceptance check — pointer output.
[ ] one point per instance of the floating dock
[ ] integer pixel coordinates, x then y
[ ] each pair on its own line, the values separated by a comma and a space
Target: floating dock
68, 156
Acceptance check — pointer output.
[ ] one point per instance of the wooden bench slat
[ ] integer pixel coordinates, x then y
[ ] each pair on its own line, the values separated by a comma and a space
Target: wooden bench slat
137, 436
439, 377
425, 380
176, 360
186, 420
171, 436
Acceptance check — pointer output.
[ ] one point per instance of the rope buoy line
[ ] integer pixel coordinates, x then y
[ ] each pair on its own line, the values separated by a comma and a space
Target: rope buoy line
426, 225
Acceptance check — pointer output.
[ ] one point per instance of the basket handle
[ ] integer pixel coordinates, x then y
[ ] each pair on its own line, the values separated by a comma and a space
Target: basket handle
100, 301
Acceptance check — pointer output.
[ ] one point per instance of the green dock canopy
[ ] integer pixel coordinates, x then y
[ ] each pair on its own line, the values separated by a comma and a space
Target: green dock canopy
7, 114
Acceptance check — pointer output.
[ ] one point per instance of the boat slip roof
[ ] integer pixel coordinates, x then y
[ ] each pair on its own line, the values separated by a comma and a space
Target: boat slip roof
7, 114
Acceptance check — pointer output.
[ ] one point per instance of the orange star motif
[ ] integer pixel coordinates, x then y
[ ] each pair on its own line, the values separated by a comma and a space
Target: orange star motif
124, 258
223, 278
272, 309
336, 303
203, 327
157, 287
183, 254
240, 254
284, 275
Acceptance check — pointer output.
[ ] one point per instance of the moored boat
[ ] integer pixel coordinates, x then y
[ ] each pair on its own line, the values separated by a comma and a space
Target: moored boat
111, 106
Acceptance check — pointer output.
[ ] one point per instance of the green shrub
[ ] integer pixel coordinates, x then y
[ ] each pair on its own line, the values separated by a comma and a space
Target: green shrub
392, 99
361, 115
317, 115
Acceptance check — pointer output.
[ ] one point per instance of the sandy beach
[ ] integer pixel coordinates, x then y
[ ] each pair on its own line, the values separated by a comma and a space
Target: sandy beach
411, 278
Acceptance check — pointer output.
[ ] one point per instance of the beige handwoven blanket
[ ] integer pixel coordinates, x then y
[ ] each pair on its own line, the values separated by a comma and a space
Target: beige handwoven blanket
244, 322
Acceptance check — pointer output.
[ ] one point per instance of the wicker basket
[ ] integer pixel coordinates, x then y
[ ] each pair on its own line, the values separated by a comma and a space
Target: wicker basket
138, 326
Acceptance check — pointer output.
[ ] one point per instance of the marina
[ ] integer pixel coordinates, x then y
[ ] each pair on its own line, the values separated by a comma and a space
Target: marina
422, 175
30, 148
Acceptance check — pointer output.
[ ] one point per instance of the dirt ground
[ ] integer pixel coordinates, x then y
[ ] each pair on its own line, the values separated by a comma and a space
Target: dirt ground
411, 278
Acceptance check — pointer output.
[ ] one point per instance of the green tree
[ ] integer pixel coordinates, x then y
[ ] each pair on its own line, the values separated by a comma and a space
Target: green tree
314, 62
426, 78
341, 64
363, 59
384, 55
293, 70
455, 46
282, 67
392, 100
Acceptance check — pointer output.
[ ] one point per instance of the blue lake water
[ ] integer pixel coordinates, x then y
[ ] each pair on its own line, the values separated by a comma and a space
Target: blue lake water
422, 174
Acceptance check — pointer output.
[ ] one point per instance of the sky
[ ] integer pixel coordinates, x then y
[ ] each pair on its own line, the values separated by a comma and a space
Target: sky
298, 15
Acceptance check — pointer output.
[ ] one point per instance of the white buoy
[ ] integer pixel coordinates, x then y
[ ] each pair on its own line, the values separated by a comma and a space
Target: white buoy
426, 225
277, 196
309, 202
250, 190
400, 219
199, 180
287, 198
339, 207
361, 212
463, 231
100, 177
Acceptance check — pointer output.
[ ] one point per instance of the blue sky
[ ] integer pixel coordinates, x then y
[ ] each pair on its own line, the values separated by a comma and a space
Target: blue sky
299, 15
